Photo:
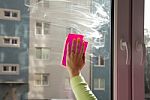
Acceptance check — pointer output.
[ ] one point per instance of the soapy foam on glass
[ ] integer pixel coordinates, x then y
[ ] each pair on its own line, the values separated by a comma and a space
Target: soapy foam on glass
69, 40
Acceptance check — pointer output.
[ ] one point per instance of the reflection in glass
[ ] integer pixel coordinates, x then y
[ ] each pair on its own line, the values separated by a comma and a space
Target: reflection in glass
147, 44
42, 30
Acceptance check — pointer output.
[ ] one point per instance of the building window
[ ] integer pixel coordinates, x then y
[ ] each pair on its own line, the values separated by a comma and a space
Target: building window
7, 13
11, 41
13, 68
46, 28
42, 28
99, 61
42, 53
10, 68
6, 68
10, 14
99, 84
14, 14
14, 41
41, 79
7, 40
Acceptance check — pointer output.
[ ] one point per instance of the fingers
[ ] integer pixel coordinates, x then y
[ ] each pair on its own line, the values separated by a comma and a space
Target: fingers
82, 52
82, 48
83, 57
77, 46
68, 50
73, 47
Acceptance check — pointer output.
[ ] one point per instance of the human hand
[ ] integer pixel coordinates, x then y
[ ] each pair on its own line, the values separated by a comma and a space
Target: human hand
75, 58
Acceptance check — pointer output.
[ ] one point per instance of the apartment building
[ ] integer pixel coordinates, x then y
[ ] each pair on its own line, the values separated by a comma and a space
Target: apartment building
14, 40
50, 22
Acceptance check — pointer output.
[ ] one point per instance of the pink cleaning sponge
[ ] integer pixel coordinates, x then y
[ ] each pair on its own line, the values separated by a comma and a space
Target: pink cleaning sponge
69, 39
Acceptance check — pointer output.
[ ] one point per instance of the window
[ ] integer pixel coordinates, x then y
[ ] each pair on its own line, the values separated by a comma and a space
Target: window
6, 40
41, 79
5, 68
14, 41
147, 53
13, 68
10, 14
42, 28
42, 53
99, 84
38, 28
10, 68
14, 14
10, 41
42, 32
99, 61
7, 13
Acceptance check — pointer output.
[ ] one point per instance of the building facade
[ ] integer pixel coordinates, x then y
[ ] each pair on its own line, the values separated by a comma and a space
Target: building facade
49, 26
14, 46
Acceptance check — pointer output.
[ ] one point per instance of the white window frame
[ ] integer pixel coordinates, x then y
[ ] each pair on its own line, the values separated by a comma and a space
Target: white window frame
42, 28
10, 72
99, 61
10, 44
41, 78
42, 53
99, 83
2, 14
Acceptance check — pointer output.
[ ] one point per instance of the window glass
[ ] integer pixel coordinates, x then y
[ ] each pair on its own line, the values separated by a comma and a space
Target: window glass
46, 28
7, 13
42, 29
7, 40
147, 44
5, 68
41, 79
99, 84
45, 79
14, 41
13, 68
14, 14
45, 53
39, 53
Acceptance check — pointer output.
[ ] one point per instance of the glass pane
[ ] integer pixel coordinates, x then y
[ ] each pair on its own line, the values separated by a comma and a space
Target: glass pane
7, 40
7, 13
42, 27
45, 53
45, 79
14, 14
38, 53
5, 68
147, 44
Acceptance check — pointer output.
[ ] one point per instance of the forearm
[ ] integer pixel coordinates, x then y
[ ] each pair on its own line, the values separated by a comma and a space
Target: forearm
81, 89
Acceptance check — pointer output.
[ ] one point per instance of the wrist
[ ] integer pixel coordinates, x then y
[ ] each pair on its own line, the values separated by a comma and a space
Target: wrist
73, 74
